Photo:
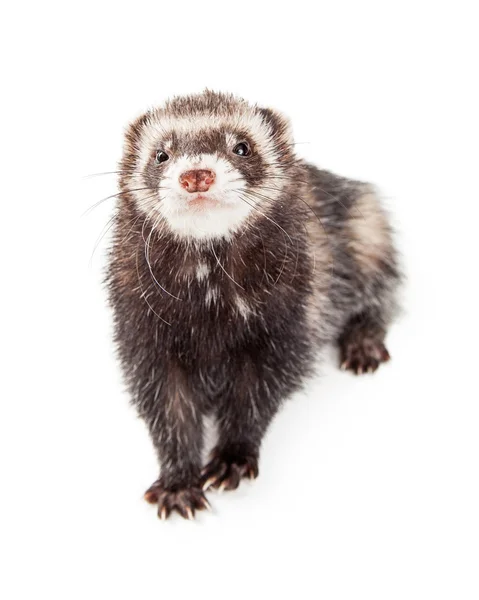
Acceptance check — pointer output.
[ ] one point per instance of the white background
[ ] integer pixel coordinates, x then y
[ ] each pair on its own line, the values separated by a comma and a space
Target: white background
368, 486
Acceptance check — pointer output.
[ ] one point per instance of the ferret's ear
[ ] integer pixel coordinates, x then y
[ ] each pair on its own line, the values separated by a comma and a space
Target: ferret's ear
134, 129
279, 123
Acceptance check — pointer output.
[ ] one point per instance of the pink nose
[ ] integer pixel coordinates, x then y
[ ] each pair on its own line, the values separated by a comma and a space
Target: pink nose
197, 180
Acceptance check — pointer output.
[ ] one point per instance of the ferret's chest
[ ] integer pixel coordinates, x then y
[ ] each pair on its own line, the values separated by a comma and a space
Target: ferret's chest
212, 307
198, 287
219, 299
205, 296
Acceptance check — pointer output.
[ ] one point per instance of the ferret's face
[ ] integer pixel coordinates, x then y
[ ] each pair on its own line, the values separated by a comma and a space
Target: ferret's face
204, 166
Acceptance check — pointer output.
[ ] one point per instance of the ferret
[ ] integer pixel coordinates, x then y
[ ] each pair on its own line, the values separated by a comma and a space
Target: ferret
233, 263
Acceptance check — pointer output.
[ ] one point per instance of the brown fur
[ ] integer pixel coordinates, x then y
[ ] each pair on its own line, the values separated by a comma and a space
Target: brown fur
313, 263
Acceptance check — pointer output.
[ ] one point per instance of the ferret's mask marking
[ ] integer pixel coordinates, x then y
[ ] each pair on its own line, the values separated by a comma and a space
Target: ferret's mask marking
204, 142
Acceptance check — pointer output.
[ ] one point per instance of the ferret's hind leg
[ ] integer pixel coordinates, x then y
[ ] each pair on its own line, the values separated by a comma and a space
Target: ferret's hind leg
361, 344
374, 277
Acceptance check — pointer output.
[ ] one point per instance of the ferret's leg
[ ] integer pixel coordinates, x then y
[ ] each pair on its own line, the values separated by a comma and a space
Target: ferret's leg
175, 424
374, 281
243, 417
361, 343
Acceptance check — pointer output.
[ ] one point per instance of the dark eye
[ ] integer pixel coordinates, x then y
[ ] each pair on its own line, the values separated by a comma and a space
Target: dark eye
242, 149
161, 157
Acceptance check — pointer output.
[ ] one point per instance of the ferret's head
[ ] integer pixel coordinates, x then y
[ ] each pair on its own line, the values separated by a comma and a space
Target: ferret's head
205, 165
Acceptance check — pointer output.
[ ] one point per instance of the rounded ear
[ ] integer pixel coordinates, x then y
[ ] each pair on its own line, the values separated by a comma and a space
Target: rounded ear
279, 123
134, 129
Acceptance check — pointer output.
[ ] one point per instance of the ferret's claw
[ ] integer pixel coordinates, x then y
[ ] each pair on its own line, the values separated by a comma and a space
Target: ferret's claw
226, 469
184, 500
206, 504
363, 355
208, 483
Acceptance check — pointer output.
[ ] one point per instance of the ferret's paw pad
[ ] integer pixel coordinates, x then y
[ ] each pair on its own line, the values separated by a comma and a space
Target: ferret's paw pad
225, 471
364, 356
184, 500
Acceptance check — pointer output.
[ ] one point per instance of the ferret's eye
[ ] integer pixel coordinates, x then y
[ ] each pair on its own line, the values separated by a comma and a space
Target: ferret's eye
161, 157
242, 149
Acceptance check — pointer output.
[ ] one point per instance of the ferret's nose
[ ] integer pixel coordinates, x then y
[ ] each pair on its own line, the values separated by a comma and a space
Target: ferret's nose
197, 180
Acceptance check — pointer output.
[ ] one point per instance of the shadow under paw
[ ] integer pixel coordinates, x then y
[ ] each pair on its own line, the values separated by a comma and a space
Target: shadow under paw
226, 469
184, 500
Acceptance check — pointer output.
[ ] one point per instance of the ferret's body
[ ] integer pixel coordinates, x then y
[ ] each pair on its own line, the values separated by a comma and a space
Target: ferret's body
226, 285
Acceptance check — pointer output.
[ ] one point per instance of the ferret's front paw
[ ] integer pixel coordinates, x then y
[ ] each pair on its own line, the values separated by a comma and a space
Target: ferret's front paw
226, 469
363, 356
184, 500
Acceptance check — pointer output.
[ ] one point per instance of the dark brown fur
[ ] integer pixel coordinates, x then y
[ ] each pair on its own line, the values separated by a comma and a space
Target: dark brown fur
297, 265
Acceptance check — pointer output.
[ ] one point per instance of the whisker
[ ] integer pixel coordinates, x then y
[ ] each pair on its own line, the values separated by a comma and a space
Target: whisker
104, 231
127, 236
223, 269
286, 246
305, 203
106, 228
147, 256
117, 195
265, 267
273, 202
143, 293
265, 216
332, 196
120, 172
